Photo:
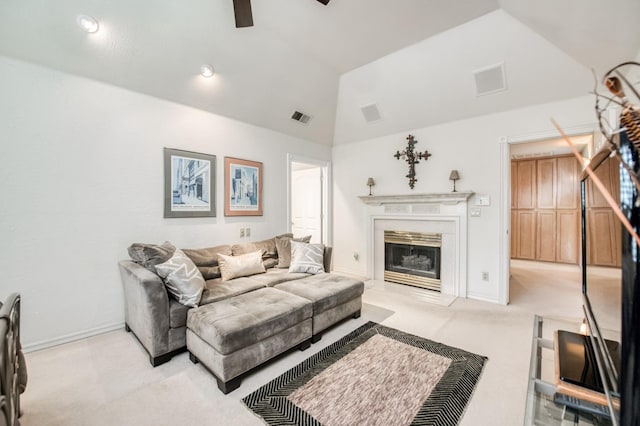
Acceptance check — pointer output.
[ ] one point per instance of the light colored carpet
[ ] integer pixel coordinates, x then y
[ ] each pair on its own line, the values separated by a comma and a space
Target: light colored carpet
107, 379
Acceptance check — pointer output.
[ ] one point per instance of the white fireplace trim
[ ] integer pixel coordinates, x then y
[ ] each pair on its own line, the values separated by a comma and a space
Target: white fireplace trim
440, 211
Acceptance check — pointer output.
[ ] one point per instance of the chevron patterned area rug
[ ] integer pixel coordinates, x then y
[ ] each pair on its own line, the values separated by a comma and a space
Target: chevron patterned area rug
376, 375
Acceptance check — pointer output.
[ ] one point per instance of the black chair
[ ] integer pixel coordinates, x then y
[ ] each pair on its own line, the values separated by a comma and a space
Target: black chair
11, 361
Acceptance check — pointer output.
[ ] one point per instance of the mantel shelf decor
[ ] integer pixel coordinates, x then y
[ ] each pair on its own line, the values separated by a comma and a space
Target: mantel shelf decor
412, 158
433, 198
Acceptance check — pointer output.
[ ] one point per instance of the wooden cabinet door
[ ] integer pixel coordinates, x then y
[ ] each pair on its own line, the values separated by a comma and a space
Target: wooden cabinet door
514, 184
546, 183
567, 236
514, 234
568, 184
526, 239
546, 236
609, 174
526, 184
603, 238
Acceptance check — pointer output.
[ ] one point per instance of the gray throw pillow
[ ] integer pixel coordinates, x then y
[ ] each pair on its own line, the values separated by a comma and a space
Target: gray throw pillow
150, 255
283, 246
206, 259
182, 278
307, 258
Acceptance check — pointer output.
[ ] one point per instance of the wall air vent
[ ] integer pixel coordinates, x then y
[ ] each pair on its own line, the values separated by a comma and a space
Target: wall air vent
371, 113
490, 79
301, 117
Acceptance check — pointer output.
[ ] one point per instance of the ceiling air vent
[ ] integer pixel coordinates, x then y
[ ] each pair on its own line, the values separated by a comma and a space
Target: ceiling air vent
371, 113
490, 79
300, 117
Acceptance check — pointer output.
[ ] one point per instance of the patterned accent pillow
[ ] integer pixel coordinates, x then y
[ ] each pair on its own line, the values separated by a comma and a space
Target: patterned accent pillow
240, 266
182, 278
283, 246
307, 258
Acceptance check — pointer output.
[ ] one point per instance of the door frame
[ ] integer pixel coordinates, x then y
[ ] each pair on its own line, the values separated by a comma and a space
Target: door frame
504, 249
325, 165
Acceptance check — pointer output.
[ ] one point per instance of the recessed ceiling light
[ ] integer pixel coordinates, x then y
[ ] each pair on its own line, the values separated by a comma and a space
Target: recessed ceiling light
206, 71
87, 23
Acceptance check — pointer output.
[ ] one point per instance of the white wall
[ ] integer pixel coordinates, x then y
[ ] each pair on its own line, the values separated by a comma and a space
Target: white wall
471, 146
82, 178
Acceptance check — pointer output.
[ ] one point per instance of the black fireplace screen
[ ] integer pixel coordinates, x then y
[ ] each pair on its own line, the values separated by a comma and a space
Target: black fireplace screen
411, 259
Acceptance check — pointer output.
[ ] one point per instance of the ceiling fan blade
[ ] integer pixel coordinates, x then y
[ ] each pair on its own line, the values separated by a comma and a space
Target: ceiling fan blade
242, 10
325, 2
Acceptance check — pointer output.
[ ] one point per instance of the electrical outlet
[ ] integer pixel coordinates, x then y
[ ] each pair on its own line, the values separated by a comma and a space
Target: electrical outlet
485, 276
475, 212
241, 232
247, 232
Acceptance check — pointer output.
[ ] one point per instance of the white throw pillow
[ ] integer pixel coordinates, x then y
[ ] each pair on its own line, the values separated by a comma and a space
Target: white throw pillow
307, 258
240, 266
182, 278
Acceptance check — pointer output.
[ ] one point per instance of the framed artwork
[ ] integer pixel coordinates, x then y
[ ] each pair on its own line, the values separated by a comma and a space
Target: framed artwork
189, 184
243, 187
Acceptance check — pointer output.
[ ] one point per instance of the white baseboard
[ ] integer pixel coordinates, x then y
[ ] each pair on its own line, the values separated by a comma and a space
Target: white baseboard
44, 344
482, 298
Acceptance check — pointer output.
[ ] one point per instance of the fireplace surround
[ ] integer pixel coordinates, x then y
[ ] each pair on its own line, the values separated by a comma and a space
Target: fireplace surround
435, 213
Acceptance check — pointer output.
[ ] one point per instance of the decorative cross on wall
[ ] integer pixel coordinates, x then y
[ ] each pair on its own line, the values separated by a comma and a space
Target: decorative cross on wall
412, 159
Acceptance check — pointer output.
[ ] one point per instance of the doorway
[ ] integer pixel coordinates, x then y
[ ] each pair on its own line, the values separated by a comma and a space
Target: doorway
308, 185
533, 146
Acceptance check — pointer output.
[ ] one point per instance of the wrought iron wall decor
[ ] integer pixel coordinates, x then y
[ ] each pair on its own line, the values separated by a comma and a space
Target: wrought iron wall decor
412, 158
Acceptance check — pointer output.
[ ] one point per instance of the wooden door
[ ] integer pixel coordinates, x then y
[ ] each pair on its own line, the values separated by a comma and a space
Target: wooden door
526, 193
526, 241
514, 185
567, 236
546, 236
603, 238
514, 234
546, 183
568, 185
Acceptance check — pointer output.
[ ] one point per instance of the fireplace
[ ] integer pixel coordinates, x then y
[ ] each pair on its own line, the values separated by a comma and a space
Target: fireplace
412, 258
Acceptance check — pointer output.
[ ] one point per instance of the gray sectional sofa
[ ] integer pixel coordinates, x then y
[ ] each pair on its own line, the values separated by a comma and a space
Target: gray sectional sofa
238, 323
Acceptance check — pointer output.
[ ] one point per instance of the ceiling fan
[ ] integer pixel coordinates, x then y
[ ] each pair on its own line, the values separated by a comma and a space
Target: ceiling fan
244, 17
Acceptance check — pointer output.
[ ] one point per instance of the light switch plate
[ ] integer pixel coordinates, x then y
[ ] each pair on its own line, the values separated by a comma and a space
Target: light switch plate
483, 200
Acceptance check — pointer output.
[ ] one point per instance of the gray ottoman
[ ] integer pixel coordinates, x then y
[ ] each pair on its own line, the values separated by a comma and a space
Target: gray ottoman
232, 336
334, 298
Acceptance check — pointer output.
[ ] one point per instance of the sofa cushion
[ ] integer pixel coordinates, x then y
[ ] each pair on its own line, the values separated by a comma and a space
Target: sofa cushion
150, 255
217, 289
177, 314
283, 247
182, 279
241, 321
206, 259
307, 258
277, 276
325, 291
270, 254
269, 247
240, 266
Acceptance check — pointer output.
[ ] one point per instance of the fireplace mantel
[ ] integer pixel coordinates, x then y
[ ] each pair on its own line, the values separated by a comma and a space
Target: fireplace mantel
432, 198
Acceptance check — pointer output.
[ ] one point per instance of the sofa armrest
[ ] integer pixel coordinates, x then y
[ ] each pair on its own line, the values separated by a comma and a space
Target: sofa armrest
327, 258
146, 307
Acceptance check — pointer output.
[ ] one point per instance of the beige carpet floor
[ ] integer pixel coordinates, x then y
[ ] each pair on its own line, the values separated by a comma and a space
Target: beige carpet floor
107, 379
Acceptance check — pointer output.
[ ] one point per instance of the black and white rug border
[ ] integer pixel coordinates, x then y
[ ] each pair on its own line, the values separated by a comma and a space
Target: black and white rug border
445, 405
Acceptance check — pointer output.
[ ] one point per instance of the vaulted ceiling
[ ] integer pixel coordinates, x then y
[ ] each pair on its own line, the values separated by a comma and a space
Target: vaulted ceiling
323, 60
